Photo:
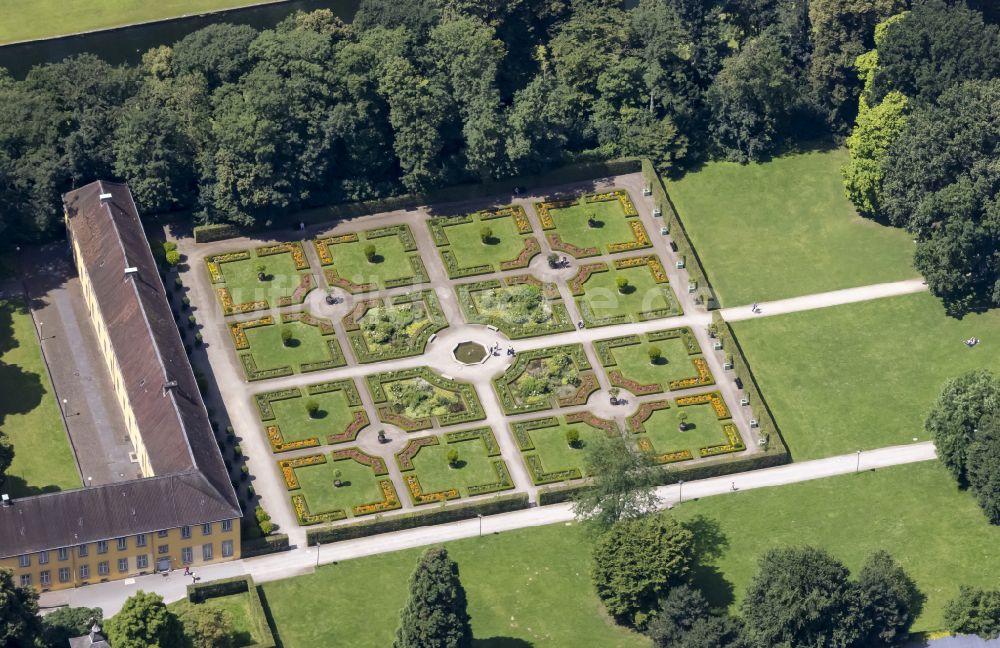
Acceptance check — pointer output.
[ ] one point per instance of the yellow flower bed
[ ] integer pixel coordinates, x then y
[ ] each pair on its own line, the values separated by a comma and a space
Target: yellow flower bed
323, 246
294, 248
238, 331
734, 443
215, 262
704, 377
645, 445
231, 308
278, 443
715, 398
288, 467
420, 497
390, 501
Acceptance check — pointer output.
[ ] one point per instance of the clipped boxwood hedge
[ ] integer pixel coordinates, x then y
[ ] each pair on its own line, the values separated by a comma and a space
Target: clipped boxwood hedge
263, 546
441, 515
216, 232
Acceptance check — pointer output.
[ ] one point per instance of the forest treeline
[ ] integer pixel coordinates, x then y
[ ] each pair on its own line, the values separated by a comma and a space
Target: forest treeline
232, 124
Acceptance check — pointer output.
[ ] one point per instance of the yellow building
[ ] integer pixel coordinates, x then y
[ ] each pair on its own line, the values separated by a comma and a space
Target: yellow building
183, 511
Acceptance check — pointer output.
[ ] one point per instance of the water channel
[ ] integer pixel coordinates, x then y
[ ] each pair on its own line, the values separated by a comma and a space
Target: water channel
127, 44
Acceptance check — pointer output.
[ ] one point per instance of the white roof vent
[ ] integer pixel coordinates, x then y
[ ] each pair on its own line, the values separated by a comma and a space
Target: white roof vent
131, 270
105, 197
5, 498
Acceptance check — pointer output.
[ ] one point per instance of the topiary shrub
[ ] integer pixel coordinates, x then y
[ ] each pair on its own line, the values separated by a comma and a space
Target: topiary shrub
312, 407
573, 438
370, 253
173, 258
286, 336
655, 355
453, 458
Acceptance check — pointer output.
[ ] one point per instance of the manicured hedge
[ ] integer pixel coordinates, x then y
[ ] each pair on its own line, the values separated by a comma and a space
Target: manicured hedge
263, 546
238, 585
441, 515
216, 232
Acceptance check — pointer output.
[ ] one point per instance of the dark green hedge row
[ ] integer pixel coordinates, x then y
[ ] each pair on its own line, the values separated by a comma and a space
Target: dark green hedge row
263, 546
237, 585
217, 232
442, 515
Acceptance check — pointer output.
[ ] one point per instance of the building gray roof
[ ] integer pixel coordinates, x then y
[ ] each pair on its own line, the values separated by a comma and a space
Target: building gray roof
190, 484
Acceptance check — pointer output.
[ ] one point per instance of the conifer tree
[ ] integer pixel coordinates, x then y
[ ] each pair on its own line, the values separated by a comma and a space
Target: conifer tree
435, 615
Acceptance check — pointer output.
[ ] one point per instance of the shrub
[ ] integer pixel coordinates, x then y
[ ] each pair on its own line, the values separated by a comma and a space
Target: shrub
186, 302
573, 437
261, 270
974, 611
485, 233
553, 259
312, 407
169, 246
178, 282
622, 284
682, 420
655, 355
286, 336
192, 321
370, 253
198, 339
591, 219
452, 457
173, 258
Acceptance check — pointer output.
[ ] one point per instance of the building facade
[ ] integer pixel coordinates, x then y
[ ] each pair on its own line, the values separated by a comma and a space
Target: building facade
183, 510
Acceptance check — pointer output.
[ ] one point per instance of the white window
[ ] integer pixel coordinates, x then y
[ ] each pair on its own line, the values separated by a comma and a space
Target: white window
142, 562
227, 548
206, 551
24, 561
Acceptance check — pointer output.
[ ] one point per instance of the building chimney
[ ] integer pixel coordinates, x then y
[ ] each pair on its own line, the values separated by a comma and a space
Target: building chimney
131, 270
106, 197
167, 386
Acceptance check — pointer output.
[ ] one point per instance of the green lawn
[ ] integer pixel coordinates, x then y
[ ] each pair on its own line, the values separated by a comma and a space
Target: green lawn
34, 19
525, 588
334, 415
603, 299
469, 249
360, 486
674, 364
391, 261
915, 512
612, 225
555, 454
307, 345
532, 586
29, 413
703, 429
785, 228
281, 278
862, 375
248, 629
474, 467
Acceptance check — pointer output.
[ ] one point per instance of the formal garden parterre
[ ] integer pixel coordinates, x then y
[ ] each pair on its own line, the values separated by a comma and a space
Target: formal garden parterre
375, 259
265, 277
554, 447
415, 399
593, 224
329, 487
486, 241
655, 362
548, 378
280, 345
520, 306
634, 289
688, 428
296, 418
393, 327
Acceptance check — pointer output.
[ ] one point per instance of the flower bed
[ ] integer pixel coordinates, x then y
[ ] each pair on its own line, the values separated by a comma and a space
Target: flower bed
683, 332
640, 240
278, 443
306, 284
557, 322
288, 467
604, 347
345, 385
510, 211
404, 423
618, 380
549, 290
404, 458
650, 260
377, 464
618, 194
324, 325
734, 443
390, 501
253, 373
539, 476
294, 248
703, 378
335, 280
637, 422
513, 405
503, 482
608, 427
215, 262
543, 209
715, 398
522, 429
428, 319
588, 385
484, 434
472, 408
523, 259
350, 433
238, 330
419, 497
402, 231
306, 518
584, 273
645, 445
231, 308
264, 401
559, 245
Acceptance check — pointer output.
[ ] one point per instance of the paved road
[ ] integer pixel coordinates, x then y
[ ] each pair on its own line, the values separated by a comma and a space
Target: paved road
110, 596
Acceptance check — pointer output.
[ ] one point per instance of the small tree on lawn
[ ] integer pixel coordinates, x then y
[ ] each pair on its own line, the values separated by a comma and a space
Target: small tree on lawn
553, 259
592, 219
261, 272
312, 407
624, 485
453, 457
622, 284
286, 336
655, 355
370, 253
208, 627
682, 420
573, 437
145, 622
636, 562
435, 616
485, 234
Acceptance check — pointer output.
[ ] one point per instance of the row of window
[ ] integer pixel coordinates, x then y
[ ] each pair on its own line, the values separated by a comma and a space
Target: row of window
141, 562
122, 543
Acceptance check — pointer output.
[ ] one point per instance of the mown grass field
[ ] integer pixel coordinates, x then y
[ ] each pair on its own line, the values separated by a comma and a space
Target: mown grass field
862, 375
29, 413
532, 587
784, 228
35, 19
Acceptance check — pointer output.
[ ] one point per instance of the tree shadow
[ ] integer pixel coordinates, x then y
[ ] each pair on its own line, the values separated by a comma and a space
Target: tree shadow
501, 642
16, 487
710, 543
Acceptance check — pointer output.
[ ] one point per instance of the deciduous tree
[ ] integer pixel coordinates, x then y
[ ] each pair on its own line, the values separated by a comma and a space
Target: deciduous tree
19, 621
624, 484
145, 622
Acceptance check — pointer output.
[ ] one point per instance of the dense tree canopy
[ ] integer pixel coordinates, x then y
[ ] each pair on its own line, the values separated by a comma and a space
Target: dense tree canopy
435, 615
974, 611
145, 622
684, 620
624, 484
19, 623
953, 420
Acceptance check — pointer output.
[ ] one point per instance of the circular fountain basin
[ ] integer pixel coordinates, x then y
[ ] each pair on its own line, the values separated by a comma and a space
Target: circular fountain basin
470, 353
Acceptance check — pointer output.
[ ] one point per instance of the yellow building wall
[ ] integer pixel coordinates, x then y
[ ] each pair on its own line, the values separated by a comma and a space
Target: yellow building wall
168, 548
